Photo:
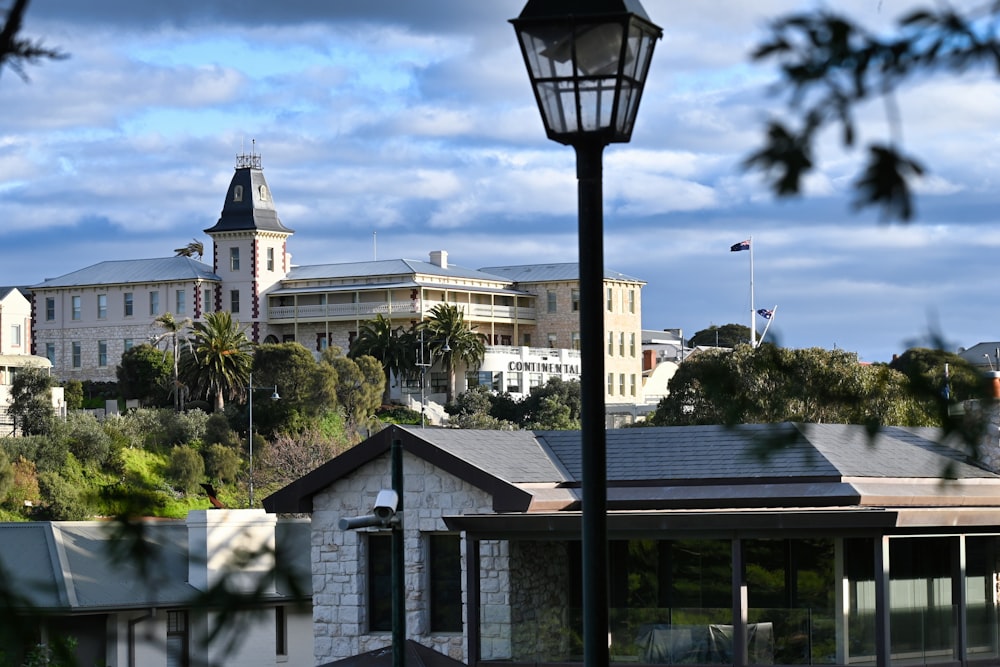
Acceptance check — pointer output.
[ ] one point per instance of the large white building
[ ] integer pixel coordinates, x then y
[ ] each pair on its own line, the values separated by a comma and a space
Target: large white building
85, 320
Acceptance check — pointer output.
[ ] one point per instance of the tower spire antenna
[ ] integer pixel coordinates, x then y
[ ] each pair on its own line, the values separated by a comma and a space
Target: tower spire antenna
251, 160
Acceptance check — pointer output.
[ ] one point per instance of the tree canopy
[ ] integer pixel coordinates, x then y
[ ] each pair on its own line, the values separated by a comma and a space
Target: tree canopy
728, 335
769, 384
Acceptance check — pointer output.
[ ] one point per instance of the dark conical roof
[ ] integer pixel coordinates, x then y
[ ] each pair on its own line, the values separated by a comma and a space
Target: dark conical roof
248, 202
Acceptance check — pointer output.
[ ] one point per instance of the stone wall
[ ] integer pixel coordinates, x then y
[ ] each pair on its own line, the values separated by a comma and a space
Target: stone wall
539, 601
340, 563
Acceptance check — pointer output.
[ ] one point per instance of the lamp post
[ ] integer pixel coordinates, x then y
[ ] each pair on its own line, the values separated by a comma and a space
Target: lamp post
274, 397
587, 61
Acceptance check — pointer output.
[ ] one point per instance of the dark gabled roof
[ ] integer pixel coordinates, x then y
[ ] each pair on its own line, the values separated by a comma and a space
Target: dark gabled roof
495, 461
250, 211
125, 271
694, 467
415, 655
539, 273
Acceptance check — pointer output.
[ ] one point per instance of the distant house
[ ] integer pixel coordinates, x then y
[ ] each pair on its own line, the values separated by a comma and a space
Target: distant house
140, 600
15, 352
836, 548
985, 356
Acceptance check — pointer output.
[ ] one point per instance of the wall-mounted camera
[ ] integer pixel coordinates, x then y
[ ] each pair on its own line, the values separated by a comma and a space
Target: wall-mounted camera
383, 513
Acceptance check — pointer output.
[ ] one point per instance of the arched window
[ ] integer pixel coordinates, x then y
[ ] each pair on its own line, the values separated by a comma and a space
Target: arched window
263, 193
238, 193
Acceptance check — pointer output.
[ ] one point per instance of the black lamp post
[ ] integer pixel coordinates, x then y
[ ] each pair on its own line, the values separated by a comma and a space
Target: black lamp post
587, 61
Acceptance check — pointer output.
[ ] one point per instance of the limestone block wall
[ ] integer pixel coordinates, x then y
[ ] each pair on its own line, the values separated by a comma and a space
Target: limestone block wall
539, 601
115, 337
339, 558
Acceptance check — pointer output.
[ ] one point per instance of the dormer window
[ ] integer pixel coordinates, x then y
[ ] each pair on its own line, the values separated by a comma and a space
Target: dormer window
238, 193
263, 193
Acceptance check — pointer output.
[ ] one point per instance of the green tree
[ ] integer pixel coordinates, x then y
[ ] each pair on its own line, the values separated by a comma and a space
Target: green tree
728, 335
830, 66
172, 329
473, 410
360, 382
217, 360
538, 409
221, 463
769, 384
73, 394
6, 475
144, 373
392, 347
307, 388
31, 401
453, 341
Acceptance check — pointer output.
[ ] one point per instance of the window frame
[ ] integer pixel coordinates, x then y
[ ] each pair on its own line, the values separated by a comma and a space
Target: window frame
378, 558
234, 259
234, 301
154, 302
50, 309
102, 306
444, 585
552, 301
76, 307
128, 304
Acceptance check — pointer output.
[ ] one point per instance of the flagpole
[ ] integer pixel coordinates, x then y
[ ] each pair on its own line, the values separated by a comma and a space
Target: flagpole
753, 311
768, 325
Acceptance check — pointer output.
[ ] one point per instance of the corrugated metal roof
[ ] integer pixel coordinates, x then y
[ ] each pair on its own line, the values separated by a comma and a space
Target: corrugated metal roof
537, 273
117, 272
321, 289
386, 267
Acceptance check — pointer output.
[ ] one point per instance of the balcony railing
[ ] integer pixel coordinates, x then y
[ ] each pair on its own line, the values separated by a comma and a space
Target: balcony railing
369, 309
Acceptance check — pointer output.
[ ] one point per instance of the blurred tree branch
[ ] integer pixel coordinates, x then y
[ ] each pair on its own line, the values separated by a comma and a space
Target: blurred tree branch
830, 65
16, 52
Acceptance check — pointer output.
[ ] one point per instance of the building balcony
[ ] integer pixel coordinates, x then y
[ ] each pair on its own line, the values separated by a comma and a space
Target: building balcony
367, 310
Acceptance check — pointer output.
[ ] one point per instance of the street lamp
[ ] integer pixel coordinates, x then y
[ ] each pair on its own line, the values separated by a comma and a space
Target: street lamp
274, 397
587, 61
426, 361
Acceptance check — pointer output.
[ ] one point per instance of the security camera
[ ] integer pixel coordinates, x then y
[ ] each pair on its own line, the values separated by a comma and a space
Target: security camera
386, 503
383, 514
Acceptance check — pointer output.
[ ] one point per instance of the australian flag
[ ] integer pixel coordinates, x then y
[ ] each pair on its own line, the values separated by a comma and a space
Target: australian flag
765, 313
742, 245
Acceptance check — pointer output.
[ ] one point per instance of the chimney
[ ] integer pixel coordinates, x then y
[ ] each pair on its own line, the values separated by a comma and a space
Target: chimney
648, 360
989, 411
235, 544
439, 258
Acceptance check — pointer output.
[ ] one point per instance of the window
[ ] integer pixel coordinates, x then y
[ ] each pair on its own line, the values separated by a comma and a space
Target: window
234, 301
102, 353
574, 298
611, 384
280, 632
621, 344
621, 384
534, 380
15, 335
439, 383
234, 259
270, 259
526, 339
445, 561
631, 345
553, 341
263, 192
50, 309
77, 361
50, 353
180, 302
128, 304
574, 340
631, 301
154, 303
611, 343
610, 300
208, 306
514, 383
238, 193
379, 582
76, 307
128, 344
102, 306
552, 301
177, 639
631, 385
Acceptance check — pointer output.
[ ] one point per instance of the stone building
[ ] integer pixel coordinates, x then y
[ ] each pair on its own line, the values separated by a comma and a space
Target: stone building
83, 321
836, 548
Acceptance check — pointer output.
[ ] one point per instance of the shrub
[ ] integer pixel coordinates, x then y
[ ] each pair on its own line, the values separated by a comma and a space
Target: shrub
85, 438
186, 468
221, 463
183, 427
218, 431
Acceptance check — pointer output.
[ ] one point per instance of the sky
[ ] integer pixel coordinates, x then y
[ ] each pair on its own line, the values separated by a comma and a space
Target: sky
391, 128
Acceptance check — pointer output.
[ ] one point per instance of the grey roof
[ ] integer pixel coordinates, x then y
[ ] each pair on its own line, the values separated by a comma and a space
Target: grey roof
386, 267
125, 271
251, 212
776, 465
81, 566
537, 273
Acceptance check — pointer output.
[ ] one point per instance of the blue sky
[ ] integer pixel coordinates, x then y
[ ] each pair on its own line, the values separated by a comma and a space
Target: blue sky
394, 128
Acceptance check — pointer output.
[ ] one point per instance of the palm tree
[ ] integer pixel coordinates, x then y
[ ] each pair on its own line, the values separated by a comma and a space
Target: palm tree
196, 247
172, 329
219, 361
452, 339
392, 347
